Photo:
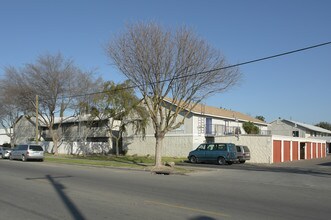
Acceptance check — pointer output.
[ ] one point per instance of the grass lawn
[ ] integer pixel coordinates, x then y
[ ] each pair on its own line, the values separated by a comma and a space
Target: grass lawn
134, 162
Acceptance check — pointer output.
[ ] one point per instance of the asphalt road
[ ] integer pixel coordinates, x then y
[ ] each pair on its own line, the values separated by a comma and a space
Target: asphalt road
34, 190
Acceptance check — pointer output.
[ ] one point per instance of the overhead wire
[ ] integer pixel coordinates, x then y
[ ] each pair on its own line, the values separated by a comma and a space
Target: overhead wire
212, 70
205, 72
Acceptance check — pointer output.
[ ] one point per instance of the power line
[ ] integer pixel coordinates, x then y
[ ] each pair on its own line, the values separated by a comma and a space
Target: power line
281, 54
216, 69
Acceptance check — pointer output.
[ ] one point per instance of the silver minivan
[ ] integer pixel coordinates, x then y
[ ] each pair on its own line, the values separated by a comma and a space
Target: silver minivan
26, 152
243, 153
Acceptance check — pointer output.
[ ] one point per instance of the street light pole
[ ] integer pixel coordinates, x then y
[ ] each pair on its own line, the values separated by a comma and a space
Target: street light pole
37, 112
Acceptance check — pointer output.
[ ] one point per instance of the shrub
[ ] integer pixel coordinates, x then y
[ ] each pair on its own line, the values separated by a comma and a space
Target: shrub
6, 145
250, 128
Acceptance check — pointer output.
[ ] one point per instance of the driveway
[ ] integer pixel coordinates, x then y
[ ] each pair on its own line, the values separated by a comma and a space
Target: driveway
321, 166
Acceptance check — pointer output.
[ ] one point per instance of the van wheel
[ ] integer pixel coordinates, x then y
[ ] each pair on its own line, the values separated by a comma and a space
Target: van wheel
23, 158
242, 161
221, 161
193, 159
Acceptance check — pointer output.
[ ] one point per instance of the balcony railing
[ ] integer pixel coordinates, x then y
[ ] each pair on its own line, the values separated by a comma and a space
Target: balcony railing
221, 130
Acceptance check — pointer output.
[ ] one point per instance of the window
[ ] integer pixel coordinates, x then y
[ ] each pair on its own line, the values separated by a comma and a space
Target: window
246, 149
221, 147
36, 148
210, 147
23, 147
209, 128
295, 133
202, 147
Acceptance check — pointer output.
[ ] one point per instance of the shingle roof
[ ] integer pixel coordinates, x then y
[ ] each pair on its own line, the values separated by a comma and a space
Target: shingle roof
201, 109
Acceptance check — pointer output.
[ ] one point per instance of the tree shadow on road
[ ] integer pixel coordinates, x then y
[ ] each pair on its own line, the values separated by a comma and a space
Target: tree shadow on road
130, 162
202, 217
279, 168
328, 164
59, 188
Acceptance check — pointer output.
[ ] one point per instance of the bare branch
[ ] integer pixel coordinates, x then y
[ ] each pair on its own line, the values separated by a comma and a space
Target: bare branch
164, 63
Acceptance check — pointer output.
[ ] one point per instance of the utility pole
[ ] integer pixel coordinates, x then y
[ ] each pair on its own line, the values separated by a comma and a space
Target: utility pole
37, 112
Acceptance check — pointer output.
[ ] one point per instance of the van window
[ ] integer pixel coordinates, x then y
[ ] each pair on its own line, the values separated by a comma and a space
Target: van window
221, 147
238, 148
22, 147
246, 148
202, 147
210, 147
36, 148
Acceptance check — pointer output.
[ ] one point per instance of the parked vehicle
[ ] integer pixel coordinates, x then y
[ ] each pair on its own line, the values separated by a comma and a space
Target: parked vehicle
243, 153
221, 153
4, 152
27, 152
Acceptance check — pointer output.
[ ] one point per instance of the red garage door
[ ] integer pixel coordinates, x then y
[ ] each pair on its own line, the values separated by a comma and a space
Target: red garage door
319, 150
314, 150
308, 150
277, 151
287, 149
295, 146
323, 150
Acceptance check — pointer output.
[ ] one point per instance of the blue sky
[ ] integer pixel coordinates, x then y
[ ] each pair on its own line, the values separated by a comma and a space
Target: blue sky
294, 87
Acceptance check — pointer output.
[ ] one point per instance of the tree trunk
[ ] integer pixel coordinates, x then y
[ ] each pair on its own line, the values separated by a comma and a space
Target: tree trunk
55, 149
110, 142
55, 141
116, 150
158, 150
117, 147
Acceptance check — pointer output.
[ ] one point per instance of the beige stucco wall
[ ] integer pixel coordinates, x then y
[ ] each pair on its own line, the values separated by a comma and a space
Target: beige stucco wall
173, 145
278, 127
177, 143
259, 146
78, 148
4, 138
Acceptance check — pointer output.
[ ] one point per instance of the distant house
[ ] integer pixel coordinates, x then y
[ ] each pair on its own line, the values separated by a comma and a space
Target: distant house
297, 129
203, 124
210, 124
77, 134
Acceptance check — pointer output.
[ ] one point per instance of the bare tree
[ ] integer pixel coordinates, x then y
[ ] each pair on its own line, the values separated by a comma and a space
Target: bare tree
9, 112
57, 82
177, 64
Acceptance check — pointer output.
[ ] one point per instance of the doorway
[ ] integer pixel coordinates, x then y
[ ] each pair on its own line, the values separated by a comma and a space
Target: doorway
302, 150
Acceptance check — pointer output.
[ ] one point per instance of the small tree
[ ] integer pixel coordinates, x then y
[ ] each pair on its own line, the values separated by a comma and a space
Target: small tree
260, 117
250, 128
120, 107
325, 125
162, 63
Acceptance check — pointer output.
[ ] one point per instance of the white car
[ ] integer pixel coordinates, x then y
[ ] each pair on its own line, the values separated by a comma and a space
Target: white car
5, 152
